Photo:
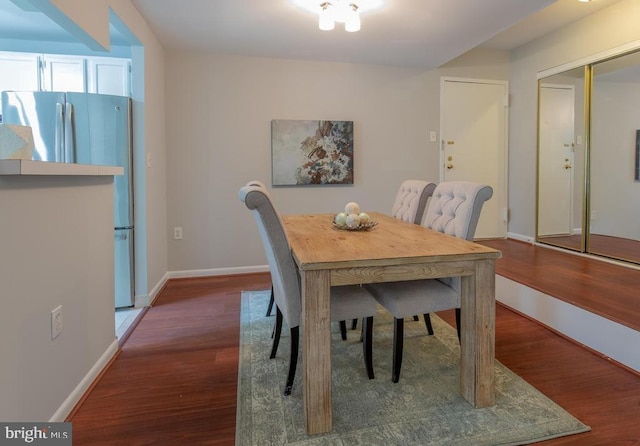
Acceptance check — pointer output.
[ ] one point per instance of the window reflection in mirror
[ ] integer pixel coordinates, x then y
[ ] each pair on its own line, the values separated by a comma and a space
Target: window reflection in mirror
561, 159
614, 189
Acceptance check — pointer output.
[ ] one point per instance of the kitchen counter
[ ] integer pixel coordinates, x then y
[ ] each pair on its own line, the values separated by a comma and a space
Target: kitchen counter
28, 167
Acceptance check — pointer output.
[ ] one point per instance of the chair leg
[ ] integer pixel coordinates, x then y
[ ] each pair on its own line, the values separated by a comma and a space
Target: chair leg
271, 300
276, 333
343, 330
398, 340
427, 322
367, 345
458, 322
293, 361
354, 324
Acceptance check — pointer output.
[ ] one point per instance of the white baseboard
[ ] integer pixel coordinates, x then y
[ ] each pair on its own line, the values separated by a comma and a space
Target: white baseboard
218, 271
520, 237
75, 396
611, 339
145, 301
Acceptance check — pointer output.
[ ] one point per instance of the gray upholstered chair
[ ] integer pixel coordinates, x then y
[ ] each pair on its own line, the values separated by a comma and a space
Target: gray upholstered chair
261, 184
411, 200
347, 302
454, 209
409, 205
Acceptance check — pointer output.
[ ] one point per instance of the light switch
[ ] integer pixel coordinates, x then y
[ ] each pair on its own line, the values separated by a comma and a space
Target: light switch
148, 159
433, 136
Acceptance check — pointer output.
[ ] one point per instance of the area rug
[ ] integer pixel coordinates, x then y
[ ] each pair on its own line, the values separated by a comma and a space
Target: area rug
424, 408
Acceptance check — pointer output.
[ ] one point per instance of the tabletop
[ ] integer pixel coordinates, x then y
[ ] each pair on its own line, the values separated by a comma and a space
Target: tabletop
317, 244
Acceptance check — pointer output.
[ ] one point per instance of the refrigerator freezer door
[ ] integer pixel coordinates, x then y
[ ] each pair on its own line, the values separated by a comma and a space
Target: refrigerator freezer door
103, 137
42, 111
123, 259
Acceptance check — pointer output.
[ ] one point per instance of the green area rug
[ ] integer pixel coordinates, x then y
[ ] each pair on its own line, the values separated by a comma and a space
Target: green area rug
424, 408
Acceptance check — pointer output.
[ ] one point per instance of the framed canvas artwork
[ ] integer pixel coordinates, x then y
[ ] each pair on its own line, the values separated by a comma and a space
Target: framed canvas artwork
310, 152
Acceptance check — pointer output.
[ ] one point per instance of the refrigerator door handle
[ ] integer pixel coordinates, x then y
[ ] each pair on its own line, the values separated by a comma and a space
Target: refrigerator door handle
59, 132
69, 131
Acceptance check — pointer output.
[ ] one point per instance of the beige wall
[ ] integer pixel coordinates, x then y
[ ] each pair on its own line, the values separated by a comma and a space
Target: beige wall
57, 249
218, 138
606, 29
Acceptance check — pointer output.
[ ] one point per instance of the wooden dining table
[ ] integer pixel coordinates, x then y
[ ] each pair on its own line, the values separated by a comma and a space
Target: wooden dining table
393, 250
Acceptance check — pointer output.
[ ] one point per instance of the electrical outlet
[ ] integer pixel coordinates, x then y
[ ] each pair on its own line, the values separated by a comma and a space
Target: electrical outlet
177, 233
56, 322
593, 215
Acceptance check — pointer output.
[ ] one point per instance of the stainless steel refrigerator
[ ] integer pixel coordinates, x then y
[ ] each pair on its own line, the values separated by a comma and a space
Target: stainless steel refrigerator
86, 128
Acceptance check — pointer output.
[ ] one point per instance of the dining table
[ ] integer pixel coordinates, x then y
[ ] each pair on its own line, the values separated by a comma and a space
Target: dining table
391, 250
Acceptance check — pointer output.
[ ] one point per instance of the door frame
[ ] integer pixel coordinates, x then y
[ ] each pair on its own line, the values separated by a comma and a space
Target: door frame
572, 230
504, 182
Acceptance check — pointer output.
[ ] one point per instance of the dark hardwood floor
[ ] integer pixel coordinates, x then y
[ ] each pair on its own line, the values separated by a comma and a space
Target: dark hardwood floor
604, 245
609, 290
174, 381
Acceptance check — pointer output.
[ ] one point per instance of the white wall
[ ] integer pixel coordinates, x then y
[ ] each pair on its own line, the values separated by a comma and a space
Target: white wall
218, 138
56, 235
606, 29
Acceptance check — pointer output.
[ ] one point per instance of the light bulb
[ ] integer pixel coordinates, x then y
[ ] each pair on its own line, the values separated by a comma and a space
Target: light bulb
352, 23
326, 22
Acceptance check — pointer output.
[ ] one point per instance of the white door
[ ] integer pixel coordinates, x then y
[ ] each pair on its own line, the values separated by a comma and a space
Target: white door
555, 159
474, 144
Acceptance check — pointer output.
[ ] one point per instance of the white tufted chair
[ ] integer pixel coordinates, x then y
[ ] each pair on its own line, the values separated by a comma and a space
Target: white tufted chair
347, 302
409, 205
411, 200
454, 209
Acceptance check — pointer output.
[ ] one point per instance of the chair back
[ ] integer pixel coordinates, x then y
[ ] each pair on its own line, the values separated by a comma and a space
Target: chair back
455, 208
284, 274
411, 200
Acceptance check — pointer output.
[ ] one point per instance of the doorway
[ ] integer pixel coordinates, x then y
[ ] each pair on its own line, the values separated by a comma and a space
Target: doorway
473, 146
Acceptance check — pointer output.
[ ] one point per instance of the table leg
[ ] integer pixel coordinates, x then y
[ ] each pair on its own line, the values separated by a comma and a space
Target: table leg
316, 350
478, 307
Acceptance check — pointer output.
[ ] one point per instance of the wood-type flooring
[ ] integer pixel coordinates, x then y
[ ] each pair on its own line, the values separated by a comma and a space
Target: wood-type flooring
174, 380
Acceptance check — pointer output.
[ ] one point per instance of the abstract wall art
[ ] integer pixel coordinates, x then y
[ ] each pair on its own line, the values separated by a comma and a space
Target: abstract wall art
311, 152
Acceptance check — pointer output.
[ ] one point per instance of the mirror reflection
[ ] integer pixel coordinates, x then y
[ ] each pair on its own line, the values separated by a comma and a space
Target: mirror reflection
561, 159
614, 225
591, 205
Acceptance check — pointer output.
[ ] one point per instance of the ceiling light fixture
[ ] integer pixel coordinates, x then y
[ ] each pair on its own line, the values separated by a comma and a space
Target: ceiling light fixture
343, 11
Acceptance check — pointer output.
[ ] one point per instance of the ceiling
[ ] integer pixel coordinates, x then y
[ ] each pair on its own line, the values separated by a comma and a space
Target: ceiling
421, 33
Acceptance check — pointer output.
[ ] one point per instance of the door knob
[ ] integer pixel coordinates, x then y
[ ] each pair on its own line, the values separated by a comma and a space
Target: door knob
449, 166
567, 166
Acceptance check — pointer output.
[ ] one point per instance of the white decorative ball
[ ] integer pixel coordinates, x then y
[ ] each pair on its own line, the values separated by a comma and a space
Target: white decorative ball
353, 221
352, 208
340, 219
364, 218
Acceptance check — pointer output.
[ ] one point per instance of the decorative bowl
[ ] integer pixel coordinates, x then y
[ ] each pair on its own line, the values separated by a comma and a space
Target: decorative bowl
362, 227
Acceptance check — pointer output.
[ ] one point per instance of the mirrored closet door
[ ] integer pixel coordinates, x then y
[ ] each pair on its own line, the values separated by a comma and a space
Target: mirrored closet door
589, 159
